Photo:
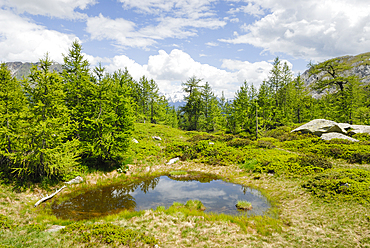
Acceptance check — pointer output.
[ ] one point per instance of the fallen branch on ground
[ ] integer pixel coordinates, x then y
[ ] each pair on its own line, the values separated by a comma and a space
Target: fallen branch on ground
49, 196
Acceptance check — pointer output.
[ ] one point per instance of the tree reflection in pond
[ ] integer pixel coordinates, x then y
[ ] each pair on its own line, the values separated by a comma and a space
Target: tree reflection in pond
217, 196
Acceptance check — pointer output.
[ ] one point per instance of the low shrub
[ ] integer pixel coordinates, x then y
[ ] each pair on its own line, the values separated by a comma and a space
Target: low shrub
108, 234
267, 142
249, 165
353, 152
343, 184
176, 149
314, 161
239, 142
359, 158
362, 136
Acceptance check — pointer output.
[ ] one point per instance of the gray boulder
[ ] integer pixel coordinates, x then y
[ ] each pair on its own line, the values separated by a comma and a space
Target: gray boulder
320, 126
359, 129
329, 136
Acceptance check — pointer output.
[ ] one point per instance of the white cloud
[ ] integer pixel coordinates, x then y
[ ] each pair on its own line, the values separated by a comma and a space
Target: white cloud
194, 8
122, 61
213, 44
53, 8
120, 30
22, 40
170, 69
313, 29
125, 33
251, 9
253, 73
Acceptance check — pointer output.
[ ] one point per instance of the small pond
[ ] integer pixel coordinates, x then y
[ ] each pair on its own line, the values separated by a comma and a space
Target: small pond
217, 196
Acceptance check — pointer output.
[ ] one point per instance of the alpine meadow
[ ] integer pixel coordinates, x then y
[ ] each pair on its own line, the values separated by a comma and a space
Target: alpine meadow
87, 129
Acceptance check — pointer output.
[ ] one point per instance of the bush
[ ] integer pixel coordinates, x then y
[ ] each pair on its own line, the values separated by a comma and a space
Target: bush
108, 234
359, 158
314, 161
266, 143
362, 136
239, 142
176, 149
249, 165
353, 152
342, 184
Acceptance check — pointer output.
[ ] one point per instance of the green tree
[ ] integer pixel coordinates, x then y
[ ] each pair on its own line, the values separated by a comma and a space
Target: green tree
299, 101
112, 122
80, 92
194, 104
210, 119
13, 119
49, 152
278, 81
331, 75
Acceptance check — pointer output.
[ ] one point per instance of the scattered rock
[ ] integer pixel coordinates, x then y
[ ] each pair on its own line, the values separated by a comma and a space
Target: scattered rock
135, 141
329, 136
55, 228
211, 143
345, 185
75, 180
359, 129
320, 126
172, 161
156, 138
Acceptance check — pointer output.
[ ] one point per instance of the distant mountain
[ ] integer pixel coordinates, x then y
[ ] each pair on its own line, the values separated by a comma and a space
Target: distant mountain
360, 67
20, 69
175, 98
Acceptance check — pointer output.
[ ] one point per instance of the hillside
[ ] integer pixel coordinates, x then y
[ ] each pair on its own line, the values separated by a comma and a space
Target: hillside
359, 66
20, 69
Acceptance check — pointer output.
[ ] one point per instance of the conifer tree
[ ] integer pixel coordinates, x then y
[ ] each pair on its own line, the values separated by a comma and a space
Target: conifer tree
13, 119
49, 152
330, 75
194, 104
80, 92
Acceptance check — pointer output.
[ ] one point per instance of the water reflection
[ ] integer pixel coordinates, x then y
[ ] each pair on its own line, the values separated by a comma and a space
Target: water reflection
216, 195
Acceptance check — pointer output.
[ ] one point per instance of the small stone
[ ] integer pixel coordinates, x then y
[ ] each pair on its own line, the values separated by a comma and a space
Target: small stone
172, 161
135, 141
156, 138
345, 185
55, 228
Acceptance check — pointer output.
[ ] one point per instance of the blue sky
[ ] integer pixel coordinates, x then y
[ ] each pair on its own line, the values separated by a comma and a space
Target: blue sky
223, 42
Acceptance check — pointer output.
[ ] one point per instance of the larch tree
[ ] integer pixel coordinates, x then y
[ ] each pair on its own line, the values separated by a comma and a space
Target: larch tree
50, 153
13, 120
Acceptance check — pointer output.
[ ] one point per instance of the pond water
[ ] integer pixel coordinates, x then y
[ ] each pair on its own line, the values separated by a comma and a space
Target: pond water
216, 195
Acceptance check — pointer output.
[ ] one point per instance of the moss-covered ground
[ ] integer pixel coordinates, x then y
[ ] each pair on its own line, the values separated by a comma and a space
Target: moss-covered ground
320, 191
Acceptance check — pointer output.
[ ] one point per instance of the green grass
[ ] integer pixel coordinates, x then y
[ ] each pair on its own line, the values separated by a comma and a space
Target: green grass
178, 173
319, 191
244, 205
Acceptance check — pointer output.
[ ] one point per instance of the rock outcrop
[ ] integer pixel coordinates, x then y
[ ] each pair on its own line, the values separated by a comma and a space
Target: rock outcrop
320, 126
330, 136
328, 130
359, 129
